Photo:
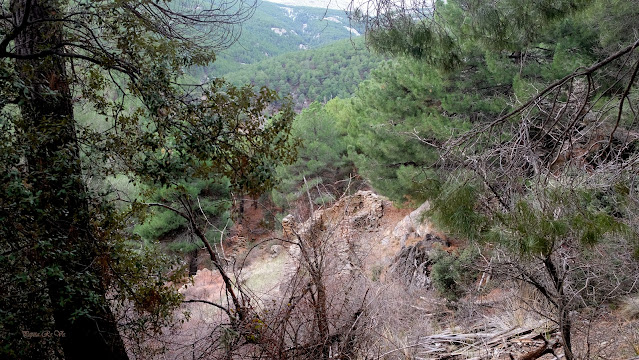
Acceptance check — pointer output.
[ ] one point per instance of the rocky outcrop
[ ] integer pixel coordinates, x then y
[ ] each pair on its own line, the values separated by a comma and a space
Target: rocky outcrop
337, 231
359, 212
289, 226
354, 227
206, 285
412, 264
414, 226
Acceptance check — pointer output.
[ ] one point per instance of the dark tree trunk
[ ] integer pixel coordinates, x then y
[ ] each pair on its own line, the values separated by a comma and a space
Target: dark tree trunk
78, 297
193, 262
241, 217
565, 327
321, 316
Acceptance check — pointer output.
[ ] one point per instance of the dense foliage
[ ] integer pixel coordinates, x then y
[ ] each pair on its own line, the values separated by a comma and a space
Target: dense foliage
321, 74
66, 266
322, 172
531, 142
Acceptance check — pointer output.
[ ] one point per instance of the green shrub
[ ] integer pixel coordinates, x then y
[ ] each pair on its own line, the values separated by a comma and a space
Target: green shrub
185, 246
451, 273
159, 224
208, 196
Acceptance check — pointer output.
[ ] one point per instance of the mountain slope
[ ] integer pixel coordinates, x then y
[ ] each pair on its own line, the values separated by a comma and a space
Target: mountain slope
315, 75
330, 4
278, 29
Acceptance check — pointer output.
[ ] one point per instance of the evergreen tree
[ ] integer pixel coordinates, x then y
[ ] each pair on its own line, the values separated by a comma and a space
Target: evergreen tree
553, 129
321, 168
398, 120
63, 244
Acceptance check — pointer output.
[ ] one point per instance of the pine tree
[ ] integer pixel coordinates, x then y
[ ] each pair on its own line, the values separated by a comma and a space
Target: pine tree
544, 169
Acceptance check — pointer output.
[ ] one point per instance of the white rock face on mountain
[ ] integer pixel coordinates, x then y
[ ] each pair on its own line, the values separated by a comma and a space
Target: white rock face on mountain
353, 31
279, 31
330, 4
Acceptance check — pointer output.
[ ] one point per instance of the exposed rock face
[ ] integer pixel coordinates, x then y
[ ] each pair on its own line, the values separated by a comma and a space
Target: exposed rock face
361, 211
412, 264
352, 228
275, 250
288, 226
336, 229
207, 285
412, 226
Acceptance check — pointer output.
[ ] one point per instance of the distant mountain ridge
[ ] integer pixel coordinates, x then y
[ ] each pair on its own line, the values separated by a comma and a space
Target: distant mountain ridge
276, 29
325, 4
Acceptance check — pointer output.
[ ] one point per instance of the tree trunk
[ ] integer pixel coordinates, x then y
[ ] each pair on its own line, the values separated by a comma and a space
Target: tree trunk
193, 262
565, 326
321, 316
83, 320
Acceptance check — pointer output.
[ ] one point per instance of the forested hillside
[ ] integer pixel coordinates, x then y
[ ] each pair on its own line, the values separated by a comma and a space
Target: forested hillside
275, 29
517, 122
331, 71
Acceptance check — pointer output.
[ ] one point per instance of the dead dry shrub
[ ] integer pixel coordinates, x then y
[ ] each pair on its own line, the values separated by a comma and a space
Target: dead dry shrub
398, 318
567, 285
321, 311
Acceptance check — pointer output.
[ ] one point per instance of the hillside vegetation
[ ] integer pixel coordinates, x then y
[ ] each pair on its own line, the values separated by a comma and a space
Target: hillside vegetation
517, 124
321, 74
276, 29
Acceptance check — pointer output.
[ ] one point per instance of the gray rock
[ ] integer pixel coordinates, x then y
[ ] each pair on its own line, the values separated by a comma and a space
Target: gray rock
413, 225
275, 250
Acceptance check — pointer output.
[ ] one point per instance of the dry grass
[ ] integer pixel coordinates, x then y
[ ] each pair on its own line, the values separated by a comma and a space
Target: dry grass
264, 277
629, 308
399, 318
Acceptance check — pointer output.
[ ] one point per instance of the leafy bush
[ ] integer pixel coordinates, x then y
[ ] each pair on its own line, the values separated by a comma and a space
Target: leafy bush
212, 199
158, 224
451, 273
